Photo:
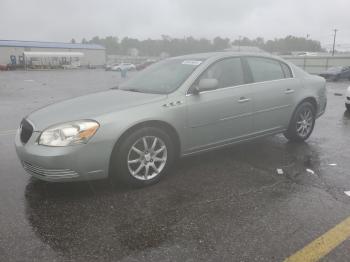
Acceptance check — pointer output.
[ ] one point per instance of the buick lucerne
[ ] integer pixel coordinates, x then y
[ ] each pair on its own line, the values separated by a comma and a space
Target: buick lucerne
176, 107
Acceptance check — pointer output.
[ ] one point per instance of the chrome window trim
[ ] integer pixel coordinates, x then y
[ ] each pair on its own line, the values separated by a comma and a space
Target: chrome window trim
248, 84
218, 60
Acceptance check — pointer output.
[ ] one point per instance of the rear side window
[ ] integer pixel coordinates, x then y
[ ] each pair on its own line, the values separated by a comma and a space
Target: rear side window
264, 69
286, 70
228, 72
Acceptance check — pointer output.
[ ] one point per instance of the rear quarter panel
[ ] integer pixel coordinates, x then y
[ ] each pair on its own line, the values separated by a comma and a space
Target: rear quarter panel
313, 86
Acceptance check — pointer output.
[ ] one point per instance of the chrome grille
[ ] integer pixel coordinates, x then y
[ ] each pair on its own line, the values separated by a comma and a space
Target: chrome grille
51, 173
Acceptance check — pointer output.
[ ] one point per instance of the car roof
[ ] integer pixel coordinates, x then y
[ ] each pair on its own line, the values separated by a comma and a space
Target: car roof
223, 54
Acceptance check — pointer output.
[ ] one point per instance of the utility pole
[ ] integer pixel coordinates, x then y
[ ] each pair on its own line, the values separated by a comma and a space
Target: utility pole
335, 35
239, 43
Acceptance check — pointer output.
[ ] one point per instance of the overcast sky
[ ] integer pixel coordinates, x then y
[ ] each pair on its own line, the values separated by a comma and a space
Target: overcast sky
62, 20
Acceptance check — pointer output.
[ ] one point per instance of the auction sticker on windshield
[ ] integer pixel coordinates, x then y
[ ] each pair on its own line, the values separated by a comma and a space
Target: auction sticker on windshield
192, 62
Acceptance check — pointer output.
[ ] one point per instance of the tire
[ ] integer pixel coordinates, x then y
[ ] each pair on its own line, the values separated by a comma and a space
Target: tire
300, 130
131, 160
347, 107
335, 78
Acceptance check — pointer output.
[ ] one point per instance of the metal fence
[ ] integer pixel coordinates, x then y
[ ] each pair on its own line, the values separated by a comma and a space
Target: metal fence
318, 64
111, 59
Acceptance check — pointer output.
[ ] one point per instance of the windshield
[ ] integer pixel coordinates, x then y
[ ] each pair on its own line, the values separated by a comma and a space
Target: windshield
163, 77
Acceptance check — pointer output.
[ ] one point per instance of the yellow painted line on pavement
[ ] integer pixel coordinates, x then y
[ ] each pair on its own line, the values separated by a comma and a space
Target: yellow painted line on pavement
321, 246
8, 132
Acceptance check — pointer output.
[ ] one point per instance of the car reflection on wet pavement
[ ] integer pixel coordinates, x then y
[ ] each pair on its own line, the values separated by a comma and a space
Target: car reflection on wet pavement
226, 205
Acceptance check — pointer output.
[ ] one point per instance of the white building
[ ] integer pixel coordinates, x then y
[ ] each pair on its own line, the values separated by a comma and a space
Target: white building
93, 54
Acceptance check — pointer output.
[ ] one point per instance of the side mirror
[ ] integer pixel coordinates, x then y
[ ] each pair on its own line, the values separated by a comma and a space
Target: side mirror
207, 84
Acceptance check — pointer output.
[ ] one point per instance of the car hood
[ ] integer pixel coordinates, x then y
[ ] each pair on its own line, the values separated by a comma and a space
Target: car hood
89, 107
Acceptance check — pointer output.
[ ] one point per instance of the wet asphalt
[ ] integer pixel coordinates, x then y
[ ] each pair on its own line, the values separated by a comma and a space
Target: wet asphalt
226, 205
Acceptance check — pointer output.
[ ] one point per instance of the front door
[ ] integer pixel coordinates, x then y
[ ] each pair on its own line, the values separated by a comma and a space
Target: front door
222, 115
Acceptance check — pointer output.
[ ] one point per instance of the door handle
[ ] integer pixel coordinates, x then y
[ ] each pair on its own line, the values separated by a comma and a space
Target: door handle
289, 91
243, 100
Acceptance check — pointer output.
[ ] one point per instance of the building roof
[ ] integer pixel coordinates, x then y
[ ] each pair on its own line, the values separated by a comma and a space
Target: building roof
53, 54
18, 43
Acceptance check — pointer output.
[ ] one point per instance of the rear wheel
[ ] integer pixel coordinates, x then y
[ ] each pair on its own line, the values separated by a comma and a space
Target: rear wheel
143, 157
302, 123
347, 107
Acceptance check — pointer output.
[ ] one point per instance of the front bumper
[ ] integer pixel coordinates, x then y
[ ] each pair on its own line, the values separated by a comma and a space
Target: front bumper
72, 163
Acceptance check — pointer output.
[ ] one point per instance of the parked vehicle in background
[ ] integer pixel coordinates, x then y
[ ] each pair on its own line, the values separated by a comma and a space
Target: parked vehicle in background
73, 65
306, 54
4, 67
109, 66
347, 99
144, 65
336, 73
123, 66
177, 107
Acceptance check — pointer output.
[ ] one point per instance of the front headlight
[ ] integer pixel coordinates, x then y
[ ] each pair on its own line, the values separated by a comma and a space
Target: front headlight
67, 134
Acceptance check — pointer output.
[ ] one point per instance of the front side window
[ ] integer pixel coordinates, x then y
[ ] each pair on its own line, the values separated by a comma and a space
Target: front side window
264, 69
228, 72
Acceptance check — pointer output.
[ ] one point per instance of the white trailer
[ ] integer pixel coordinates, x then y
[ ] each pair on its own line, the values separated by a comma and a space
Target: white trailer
51, 60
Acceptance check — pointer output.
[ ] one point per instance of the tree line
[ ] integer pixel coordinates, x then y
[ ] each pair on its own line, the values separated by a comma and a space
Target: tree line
187, 45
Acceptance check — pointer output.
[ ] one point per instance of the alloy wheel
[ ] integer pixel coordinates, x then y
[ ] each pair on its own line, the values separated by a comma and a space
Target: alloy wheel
305, 122
147, 157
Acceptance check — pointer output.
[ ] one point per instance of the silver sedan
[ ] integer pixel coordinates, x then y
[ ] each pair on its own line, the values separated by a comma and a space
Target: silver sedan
177, 107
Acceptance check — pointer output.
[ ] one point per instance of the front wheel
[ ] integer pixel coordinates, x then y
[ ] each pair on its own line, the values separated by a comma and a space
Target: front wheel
143, 157
302, 123
347, 107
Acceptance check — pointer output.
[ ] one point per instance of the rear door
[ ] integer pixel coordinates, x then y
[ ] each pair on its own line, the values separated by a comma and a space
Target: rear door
273, 91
